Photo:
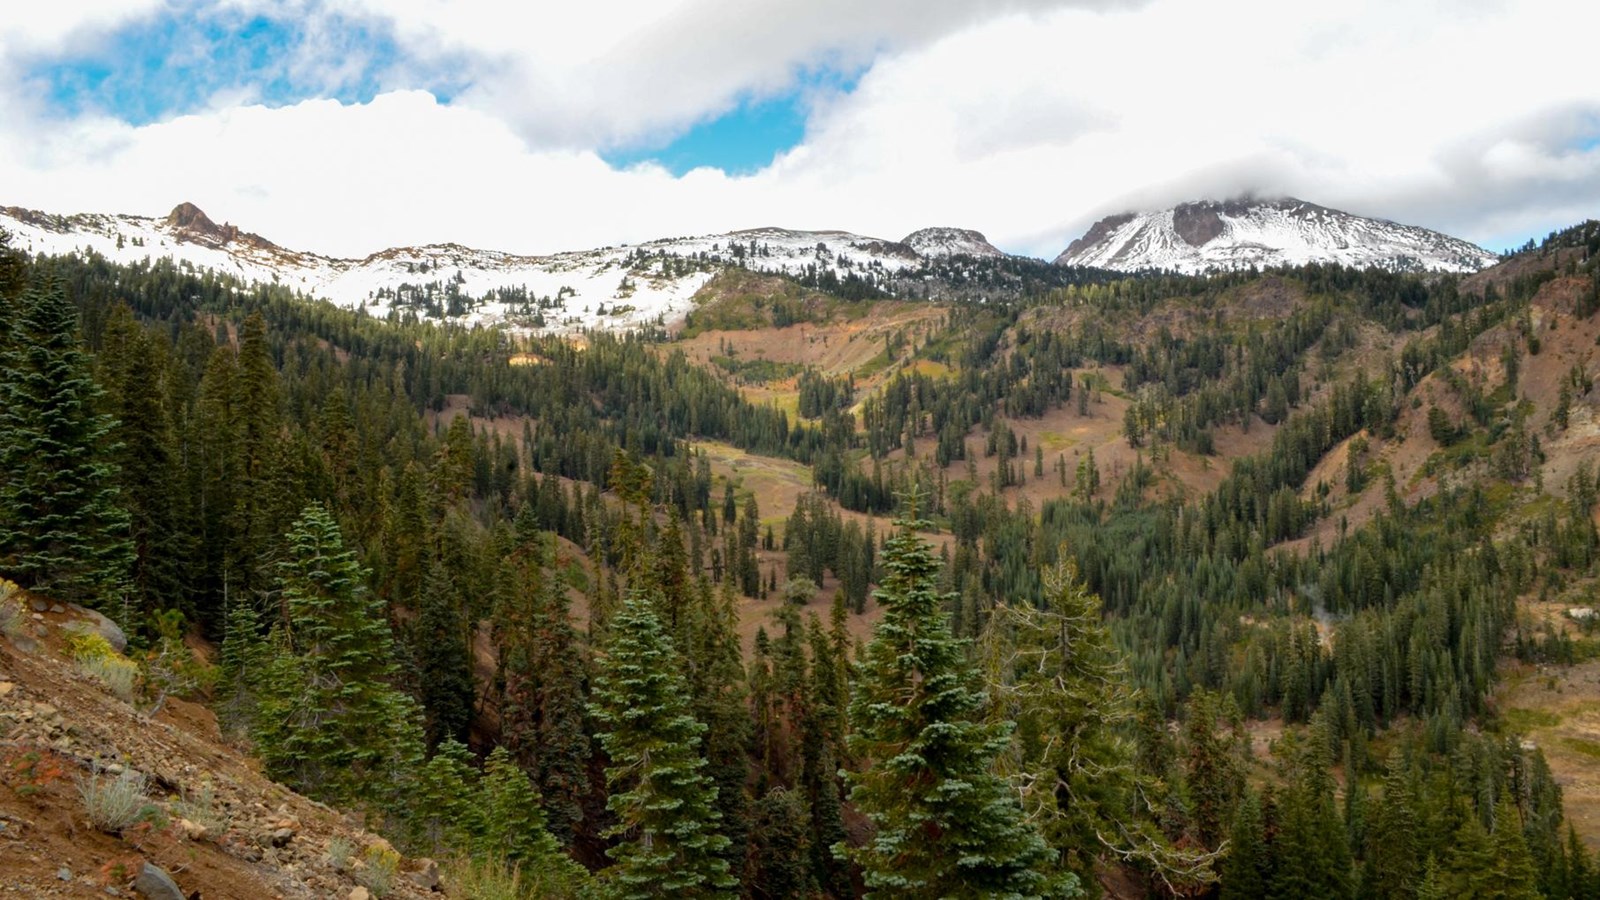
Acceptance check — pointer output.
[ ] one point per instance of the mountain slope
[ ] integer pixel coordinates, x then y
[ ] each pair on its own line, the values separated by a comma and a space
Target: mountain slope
612, 288
1238, 234
211, 819
936, 242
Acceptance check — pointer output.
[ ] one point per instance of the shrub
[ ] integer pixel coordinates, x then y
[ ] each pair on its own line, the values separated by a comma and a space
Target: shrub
84, 645
340, 850
200, 808
381, 867
10, 610
114, 803
121, 675
485, 879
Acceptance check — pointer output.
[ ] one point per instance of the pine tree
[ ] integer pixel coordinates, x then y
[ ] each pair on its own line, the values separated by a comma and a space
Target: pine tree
664, 803
330, 722
946, 824
444, 814
63, 528
245, 661
514, 830
719, 701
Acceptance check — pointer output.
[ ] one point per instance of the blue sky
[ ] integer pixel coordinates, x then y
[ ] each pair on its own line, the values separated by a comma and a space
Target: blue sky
741, 140
179, 61
523, 127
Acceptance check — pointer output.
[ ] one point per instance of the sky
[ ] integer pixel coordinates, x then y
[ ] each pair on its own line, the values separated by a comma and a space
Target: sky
349, 126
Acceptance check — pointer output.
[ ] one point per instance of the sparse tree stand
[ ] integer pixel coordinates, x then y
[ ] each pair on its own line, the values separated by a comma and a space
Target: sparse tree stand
63, 528
946, 825
665, 804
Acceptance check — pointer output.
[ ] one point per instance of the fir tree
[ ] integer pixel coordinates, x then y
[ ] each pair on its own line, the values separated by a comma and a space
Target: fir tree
665, 805
543, 671
1513, 876
1245, 873
779, 865
64, 530
946, 825
330, 722
1052, 670
444, 663
133, 366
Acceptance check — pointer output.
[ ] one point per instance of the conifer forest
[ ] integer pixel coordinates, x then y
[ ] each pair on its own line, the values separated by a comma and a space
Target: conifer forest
1105, 585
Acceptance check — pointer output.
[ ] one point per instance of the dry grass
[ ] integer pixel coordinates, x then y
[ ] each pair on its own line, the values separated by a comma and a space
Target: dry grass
1559, 710
114, 803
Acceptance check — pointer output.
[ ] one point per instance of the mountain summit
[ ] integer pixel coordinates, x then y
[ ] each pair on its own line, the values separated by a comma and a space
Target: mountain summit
938, 242
1238, 234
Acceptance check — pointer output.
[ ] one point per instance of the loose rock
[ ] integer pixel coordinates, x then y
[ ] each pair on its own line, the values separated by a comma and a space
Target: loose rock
156, 884
427, 874
107, 628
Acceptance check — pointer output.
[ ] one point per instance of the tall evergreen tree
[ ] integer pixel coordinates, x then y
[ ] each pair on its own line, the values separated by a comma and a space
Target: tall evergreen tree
1052, 670
260, 499
665, 805
133, 365
64, 530
544, 673
1245, 873
330, 720
444, 663
945, 824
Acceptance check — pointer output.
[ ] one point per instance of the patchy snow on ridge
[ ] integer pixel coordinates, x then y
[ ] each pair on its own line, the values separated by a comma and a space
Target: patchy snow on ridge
1210, 236
937, 242
614, 288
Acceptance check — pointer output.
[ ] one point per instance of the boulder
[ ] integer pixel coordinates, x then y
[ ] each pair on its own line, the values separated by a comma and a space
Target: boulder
156, 884
106, 628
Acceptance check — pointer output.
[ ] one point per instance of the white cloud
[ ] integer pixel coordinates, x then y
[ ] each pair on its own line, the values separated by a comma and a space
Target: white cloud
1025, 120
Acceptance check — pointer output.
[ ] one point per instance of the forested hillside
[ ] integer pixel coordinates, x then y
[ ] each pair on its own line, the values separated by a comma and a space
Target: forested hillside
1248, 585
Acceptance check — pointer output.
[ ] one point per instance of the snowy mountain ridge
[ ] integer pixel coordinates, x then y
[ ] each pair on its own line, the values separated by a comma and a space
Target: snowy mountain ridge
1205, 236
615, 288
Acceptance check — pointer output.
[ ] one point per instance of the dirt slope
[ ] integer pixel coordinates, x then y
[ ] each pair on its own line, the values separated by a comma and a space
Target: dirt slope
247, 837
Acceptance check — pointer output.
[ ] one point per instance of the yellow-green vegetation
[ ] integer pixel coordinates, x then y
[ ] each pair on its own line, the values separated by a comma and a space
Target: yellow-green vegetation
756, 371
10, 608
380, 866
1520, 721
84, 645
874, 365
95, 656
931, 368
739, 300
1584, 746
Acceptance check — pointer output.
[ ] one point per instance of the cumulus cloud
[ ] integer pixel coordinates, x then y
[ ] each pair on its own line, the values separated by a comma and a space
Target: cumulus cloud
1026, 120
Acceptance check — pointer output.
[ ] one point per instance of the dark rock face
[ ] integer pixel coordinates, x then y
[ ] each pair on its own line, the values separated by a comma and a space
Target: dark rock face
1197, 223
1096, 234
192, 224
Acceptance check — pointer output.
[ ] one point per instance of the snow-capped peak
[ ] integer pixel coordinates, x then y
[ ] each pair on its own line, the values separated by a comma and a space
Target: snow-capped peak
615, 288
1237, 234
